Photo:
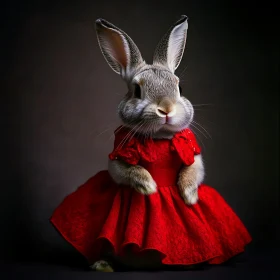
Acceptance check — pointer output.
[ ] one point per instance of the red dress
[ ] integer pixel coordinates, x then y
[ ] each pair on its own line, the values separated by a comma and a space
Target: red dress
100, 210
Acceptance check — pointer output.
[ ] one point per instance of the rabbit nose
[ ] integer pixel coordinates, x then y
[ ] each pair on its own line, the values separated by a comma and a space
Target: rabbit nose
165, 108
165, 112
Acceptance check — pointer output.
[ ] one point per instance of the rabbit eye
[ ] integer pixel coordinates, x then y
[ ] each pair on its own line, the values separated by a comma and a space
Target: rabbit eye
180, 89
137, 91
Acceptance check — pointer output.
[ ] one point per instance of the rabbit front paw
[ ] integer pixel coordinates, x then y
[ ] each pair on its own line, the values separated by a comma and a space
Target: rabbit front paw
190, 195
142, 181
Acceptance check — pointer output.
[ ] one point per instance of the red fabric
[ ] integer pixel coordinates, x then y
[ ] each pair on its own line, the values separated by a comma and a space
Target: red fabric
101, 211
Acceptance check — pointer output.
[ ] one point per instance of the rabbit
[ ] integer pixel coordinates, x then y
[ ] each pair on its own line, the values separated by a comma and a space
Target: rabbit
154, 106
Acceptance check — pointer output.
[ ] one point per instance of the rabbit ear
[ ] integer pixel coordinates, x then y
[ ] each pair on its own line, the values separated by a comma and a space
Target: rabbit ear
170, 49
119, 50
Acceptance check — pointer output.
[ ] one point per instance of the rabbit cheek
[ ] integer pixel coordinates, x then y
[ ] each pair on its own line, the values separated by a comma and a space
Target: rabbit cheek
131, 110
183, 117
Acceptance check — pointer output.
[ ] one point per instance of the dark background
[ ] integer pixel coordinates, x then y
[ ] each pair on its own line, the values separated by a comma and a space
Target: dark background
59, 95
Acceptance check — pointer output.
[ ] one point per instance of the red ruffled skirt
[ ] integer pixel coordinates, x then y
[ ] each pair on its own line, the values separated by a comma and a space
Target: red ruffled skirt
101, 211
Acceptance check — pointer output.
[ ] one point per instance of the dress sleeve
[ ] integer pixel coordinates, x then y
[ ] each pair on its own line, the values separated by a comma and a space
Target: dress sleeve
186, 146
124, 149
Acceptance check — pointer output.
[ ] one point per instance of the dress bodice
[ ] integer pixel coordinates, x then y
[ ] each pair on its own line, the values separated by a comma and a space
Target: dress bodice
166, 167
163, 158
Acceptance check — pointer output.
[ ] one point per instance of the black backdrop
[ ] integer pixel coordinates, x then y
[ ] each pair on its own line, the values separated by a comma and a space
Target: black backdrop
59, 96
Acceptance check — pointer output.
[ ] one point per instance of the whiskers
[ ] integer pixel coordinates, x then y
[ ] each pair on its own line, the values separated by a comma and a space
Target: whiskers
196, 127
147, 129
111, 126
202, 105
130, 134
204, 132
151, 128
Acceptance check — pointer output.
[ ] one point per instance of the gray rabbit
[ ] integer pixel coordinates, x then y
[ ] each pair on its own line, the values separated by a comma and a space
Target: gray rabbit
153, 105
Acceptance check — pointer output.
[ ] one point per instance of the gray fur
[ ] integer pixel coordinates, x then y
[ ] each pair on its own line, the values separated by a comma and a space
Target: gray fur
136, 177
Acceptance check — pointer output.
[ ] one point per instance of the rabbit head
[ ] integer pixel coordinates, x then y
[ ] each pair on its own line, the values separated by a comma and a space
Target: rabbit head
153, 104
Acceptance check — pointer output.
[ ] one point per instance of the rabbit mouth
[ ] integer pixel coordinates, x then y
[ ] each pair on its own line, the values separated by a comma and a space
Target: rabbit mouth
171, 124
166, 120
